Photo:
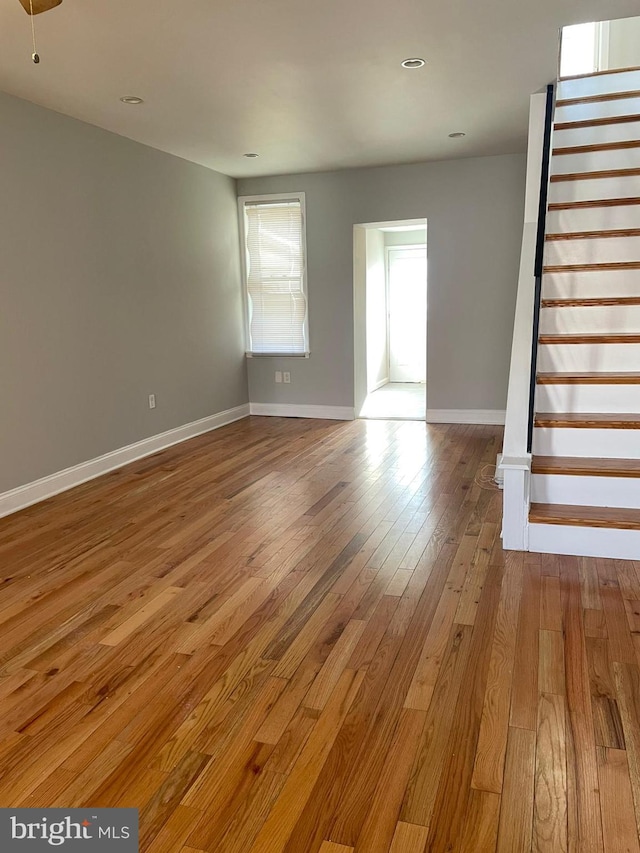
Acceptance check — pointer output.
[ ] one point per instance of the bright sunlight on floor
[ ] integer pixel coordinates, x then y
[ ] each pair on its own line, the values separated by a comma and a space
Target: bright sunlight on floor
397, 401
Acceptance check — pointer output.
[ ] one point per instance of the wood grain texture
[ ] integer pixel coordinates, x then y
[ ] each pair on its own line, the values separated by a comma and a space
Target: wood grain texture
603, 378
590, 176
590, 203
577, 420
265, 641
516, 813
597, 146
585, 467
590, 339
585, 516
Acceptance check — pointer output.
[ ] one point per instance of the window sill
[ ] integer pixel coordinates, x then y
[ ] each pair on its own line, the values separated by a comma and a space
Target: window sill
276, 355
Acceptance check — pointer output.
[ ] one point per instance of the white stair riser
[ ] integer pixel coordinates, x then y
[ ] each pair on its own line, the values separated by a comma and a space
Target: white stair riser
622, 81
594, 188
606, 443
592, 251
593, 219
603, 319
604, 399
585, 491
584, 541
620, 132
588, 358
597, 109
590, 285
596, 161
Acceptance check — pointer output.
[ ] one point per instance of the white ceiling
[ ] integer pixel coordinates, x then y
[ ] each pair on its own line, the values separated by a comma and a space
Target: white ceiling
307, 85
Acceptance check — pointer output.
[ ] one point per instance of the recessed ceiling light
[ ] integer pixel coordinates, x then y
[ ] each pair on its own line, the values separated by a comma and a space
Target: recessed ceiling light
251, 155
131, 99
458, 135
413, 62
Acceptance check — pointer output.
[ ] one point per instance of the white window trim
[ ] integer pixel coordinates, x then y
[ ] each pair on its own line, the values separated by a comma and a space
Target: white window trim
253, 199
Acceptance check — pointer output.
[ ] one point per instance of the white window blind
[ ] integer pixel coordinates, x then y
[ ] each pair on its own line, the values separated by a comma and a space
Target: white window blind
275, 276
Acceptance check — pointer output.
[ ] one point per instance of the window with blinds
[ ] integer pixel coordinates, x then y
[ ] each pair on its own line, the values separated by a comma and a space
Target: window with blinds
275, 274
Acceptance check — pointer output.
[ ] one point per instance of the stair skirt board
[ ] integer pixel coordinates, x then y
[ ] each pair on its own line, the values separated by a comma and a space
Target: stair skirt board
569, 358
586, 491
579, 319
609, 443
584, 541
588, 398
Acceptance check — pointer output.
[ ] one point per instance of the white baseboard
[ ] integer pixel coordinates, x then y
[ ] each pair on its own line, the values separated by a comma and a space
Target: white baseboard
291, 410
465, 416
47, 487
379, 385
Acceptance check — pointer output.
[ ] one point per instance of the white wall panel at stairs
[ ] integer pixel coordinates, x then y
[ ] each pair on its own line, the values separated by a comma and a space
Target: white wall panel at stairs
590, 189
593, 219
589, 358
597, 135
584, 541
585, 491
603, 319
596, 109
590, 285
622, 81
592, 251
607, 399
596, 161
605, 443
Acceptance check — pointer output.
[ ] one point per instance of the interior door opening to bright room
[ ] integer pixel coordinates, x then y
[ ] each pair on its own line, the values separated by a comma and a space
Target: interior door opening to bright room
391, 320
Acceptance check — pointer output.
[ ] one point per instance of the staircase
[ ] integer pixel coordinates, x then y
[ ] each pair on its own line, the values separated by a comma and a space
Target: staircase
585, 475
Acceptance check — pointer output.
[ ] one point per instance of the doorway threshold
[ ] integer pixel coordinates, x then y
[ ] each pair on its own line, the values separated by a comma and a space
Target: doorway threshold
406, 401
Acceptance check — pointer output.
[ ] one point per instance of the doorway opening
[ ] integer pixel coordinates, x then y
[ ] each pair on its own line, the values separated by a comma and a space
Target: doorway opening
391, 320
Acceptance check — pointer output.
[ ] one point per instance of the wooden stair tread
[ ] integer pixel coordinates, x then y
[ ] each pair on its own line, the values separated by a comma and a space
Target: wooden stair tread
594, 235
595, 176
624, 70
613, 265
593, 420
595, 122
594, 99
591, 338
596, 202
603, 378
585, 516
596, 146
592, 302
585, 467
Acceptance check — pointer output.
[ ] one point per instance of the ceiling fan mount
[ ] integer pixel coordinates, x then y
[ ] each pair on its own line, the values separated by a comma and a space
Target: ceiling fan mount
39, 5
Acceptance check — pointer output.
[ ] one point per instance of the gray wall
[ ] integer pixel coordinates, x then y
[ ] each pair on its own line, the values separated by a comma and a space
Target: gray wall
474, 209
624, 43
119, 277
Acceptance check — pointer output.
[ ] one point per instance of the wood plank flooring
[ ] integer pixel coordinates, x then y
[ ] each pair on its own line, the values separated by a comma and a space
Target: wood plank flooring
297, 636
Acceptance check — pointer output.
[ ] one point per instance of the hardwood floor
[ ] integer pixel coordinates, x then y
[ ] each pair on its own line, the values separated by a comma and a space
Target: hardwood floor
304, 636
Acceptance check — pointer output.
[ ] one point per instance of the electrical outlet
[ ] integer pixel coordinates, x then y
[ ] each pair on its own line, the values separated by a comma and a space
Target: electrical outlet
152, 401
278, 376
287, 378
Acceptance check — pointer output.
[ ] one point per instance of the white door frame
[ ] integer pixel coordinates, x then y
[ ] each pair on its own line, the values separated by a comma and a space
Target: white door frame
359, 285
